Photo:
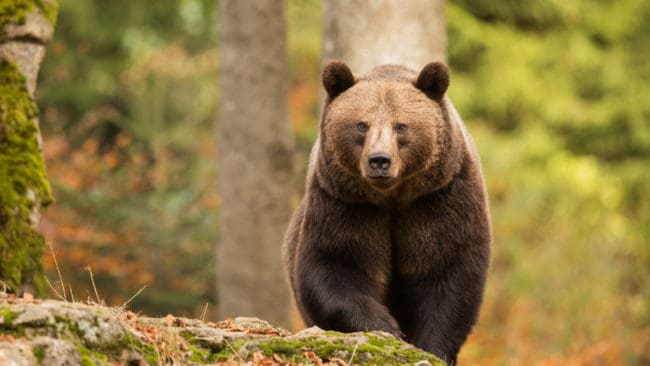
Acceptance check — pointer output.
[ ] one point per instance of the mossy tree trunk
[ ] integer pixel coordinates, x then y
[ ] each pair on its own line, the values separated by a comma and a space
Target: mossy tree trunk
254, 144
364, 34
25, 28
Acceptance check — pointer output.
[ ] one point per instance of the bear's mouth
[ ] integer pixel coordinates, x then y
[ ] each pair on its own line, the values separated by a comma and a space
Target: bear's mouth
379, 176
380, 179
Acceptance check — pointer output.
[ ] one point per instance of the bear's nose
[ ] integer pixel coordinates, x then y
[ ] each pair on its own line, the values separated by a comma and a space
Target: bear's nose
379, 161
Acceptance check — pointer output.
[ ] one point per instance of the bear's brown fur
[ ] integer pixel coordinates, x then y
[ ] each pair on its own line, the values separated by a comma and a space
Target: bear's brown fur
393, 232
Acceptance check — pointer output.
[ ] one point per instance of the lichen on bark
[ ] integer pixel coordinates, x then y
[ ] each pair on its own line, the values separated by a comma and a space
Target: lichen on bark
15, 11
23, 184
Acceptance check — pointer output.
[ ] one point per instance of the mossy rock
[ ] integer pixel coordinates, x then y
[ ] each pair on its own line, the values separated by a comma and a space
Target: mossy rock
53, 332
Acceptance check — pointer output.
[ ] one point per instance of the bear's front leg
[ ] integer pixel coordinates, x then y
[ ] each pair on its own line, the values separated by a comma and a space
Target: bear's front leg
343, 266
438, 312
337, 297
441, 262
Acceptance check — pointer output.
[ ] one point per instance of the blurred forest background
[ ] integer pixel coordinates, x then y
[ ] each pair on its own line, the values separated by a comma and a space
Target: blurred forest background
555, 93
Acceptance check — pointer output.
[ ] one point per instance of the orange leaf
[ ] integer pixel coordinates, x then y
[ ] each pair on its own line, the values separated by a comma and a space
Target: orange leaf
28, 298
169, 319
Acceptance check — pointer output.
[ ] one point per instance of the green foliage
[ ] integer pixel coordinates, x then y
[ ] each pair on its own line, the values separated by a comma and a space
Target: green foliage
535, 15
23, 184
555, 94
136, 112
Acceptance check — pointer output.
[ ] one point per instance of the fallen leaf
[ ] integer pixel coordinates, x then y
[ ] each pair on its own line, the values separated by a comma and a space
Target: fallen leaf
7, 338
129, 316
313, 357
169, 319
28, 298
257, 357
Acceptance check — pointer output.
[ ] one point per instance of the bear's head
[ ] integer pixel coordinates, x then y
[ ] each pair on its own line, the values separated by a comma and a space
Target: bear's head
386, 126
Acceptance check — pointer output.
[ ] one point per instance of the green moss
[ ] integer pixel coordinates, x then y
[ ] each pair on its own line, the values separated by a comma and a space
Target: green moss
202, 351
198, 355
39, 353
22, 174
196, 350
101, 354
391, 349
49, 8
147, 351
91, 358
280, 346
230, 352
7, 317
384, 342
378, 350
15, 11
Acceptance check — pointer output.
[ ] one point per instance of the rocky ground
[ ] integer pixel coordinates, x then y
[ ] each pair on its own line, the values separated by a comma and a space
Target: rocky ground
51, 332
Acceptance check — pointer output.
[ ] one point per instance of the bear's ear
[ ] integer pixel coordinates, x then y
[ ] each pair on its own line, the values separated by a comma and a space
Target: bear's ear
433, 80
337, 78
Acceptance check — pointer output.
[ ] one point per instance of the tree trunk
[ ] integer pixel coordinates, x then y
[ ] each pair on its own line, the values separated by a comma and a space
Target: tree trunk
364, 34
255, 151
25, 27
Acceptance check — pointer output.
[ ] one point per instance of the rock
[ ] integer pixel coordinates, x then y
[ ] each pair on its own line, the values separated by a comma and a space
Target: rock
55, 352
16, 354
52, 332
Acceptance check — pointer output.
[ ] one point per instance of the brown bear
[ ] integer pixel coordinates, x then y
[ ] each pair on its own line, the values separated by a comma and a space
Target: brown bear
393, 232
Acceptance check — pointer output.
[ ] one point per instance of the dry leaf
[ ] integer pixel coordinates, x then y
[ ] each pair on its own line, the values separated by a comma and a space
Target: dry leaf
257, 357
7, 338
278, 359
313, 357
169, 319
129, 316
28, 298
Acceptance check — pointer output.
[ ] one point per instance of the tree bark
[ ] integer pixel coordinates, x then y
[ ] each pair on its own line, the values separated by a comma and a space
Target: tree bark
25, 28
254, 144
367, 33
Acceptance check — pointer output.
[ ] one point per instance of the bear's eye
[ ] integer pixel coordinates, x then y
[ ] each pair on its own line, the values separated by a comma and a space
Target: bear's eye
401, 127
362, 126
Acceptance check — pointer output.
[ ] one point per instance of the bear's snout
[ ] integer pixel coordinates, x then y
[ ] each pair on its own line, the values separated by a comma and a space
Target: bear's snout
380, 169
379, 161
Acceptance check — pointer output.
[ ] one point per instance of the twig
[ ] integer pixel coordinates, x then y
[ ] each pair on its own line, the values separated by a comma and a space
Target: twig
92, 280
58, 270
53, 289
205, 310
72, 298
133, 297
354, 351
235, 353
